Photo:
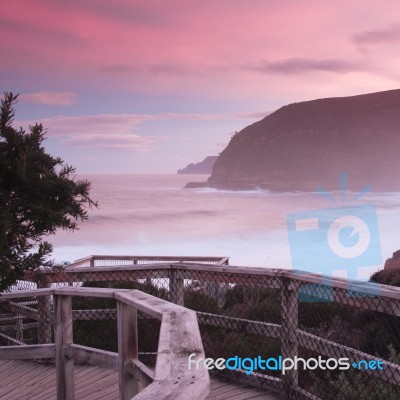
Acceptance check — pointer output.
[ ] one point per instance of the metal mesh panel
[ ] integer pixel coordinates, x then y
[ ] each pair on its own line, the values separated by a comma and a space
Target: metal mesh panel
340, 322
27, 320
238, 316
94, 318
95, 322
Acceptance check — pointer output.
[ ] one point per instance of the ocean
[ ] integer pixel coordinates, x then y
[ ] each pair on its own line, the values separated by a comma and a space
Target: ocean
154, 215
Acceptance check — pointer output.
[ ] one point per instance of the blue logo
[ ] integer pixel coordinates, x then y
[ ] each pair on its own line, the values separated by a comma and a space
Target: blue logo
345, 237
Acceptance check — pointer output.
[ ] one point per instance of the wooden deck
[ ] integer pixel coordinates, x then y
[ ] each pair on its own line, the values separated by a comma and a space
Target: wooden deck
22, 380
221, 390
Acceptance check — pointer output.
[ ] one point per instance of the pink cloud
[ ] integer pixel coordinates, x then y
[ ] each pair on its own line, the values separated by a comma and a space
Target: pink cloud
156, 39
49, 98
375, 36
116, 141
106, 131
119, 131
210, 47
188, 55
305, 65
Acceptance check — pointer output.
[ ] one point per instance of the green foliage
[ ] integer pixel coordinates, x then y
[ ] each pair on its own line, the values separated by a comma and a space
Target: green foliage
354, 385
317, 314
242, 302
235, 295
387, 277
38, 195
102, 334
198, 301
261, 304
146, 287
394, 356
267, 309
98, 334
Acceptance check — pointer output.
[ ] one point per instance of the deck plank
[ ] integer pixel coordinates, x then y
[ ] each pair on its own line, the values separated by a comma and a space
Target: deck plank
224, 390
110, 392
32, 389
6, 364
29, 380
12, 378
102, 384
37, 380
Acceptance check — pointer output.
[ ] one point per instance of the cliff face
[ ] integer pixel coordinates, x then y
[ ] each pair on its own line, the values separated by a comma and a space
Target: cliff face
306, 144
203, 167
393, 262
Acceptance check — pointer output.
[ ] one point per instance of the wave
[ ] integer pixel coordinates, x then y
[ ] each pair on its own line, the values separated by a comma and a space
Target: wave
150, 216
256, 190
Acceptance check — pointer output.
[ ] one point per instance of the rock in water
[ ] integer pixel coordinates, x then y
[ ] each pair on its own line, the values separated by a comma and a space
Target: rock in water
203, 167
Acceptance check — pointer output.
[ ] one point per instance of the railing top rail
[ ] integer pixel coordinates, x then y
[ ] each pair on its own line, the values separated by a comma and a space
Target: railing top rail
82, 260
115, 268
135, 298
361, 287
4, 296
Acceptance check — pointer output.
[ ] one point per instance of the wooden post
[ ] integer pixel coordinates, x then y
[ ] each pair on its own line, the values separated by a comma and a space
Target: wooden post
63, 338
216, 291
45, 315
289, 342
19, 328
176, 287
127, 350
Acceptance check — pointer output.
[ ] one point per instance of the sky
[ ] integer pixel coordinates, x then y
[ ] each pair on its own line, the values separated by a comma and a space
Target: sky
148, 86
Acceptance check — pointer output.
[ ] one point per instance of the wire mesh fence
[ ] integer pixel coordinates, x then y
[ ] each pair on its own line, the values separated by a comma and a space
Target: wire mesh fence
245, 313
350, 323
26, 321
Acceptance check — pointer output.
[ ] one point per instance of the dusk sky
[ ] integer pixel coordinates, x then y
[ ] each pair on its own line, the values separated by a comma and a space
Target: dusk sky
132, 86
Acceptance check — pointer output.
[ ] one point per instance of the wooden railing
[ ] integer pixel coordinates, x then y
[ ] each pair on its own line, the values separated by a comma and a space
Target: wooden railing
176, 277
109, 260
179, 336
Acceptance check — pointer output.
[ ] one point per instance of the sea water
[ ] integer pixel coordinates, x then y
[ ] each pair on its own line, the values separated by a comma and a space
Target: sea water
154, 215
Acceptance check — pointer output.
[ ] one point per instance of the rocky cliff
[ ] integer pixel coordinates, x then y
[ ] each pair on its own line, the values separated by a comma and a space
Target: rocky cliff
393, 262
203, 167
310, 143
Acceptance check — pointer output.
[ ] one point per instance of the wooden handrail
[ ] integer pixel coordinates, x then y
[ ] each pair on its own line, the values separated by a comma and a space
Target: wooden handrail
179, 336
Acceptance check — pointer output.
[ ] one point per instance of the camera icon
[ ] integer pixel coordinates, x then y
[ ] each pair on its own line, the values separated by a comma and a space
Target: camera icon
338, 238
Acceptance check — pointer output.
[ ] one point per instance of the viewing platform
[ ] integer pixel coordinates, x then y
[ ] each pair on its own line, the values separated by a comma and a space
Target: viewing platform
121, 327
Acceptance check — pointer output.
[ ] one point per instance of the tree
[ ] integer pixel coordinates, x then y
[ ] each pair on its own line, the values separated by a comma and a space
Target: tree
38, 195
